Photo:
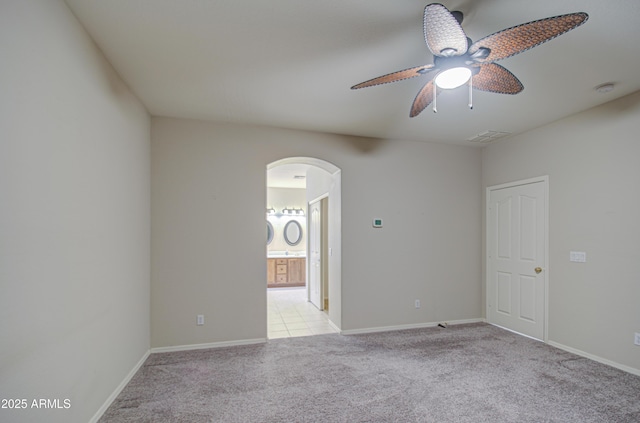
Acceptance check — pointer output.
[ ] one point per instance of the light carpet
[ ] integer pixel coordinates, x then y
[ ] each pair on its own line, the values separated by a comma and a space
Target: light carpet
466, 373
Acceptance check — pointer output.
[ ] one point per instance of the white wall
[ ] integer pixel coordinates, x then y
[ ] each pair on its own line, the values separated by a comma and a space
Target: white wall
429, 249
74, 217
592, 160
279, 198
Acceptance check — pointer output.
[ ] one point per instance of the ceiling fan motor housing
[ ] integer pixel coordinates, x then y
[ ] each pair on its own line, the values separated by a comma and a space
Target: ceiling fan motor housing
443, 63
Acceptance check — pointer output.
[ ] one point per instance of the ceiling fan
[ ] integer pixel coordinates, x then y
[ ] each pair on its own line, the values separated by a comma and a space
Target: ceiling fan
457, 60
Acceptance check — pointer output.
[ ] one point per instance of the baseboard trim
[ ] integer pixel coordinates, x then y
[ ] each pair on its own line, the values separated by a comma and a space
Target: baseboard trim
619, 366
336, 328
410, 326
119, 389
208, 345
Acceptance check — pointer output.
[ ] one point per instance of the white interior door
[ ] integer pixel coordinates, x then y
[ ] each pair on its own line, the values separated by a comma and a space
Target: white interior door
315, 254
516, 257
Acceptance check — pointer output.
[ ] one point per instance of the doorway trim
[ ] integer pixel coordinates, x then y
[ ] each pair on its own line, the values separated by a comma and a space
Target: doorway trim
545, 180
322, 164
333, 192
321, 201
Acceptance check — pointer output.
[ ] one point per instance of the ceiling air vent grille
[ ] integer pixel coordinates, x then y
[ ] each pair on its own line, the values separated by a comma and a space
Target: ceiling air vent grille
487, 137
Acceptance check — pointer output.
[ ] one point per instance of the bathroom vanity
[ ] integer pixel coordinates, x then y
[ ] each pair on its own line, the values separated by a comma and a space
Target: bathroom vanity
283, 271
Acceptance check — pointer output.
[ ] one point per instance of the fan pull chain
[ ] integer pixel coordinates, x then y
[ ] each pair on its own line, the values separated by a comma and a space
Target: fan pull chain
471, 93
435, 96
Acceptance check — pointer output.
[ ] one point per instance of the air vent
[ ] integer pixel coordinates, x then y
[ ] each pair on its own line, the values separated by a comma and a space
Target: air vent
488, 136
299, 177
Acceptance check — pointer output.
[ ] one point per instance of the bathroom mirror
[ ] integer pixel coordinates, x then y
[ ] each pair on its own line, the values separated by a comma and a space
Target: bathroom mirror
269, 232
292, 232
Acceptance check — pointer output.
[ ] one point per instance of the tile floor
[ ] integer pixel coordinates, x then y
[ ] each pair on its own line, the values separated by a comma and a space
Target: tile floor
290, 314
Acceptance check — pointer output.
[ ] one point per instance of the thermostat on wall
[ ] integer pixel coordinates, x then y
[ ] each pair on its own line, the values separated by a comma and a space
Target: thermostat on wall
377, 223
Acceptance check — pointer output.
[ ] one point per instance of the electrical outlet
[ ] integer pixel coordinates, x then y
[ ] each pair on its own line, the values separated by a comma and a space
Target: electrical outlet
417, 303
200, 320
637, 339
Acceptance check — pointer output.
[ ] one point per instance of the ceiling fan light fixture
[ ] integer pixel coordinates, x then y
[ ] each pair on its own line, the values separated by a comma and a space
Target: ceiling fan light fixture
453, 78
457, 59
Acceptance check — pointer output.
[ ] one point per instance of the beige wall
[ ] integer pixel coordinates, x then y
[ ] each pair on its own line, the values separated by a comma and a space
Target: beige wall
592, 160
74, 217
75, 165
428, 194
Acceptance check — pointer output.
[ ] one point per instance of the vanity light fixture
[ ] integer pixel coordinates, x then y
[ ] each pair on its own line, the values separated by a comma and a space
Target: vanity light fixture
292, 212
287, 211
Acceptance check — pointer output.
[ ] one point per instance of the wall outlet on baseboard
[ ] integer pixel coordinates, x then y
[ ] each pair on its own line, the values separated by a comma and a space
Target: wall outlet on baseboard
417, 303
200, 320
637, 339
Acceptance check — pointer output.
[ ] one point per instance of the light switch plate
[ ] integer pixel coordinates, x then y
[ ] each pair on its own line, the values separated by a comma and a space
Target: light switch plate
578, 256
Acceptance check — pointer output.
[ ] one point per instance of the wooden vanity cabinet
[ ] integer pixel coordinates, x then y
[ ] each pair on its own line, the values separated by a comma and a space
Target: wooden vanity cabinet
281, 270
286, 272
296, 270
271, 271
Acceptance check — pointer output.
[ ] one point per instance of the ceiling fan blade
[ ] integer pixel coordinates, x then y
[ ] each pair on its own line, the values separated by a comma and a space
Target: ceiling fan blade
496, 79
517, 39
395, 76
423, 99
442, 32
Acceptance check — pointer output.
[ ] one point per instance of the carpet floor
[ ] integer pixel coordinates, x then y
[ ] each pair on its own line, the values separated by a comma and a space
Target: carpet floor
465, 373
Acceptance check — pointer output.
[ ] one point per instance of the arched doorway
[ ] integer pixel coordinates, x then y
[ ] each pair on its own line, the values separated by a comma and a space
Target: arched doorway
297, 188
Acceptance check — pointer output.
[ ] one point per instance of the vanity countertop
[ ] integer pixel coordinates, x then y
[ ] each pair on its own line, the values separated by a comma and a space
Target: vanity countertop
290, 255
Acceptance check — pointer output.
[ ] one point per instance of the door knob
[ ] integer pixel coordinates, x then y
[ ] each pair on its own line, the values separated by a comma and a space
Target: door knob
538, 269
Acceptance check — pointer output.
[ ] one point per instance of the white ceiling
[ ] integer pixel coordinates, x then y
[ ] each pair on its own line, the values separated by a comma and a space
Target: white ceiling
291, 63
288, 176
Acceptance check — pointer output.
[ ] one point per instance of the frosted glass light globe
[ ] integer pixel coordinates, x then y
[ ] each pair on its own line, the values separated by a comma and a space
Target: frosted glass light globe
453, 78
